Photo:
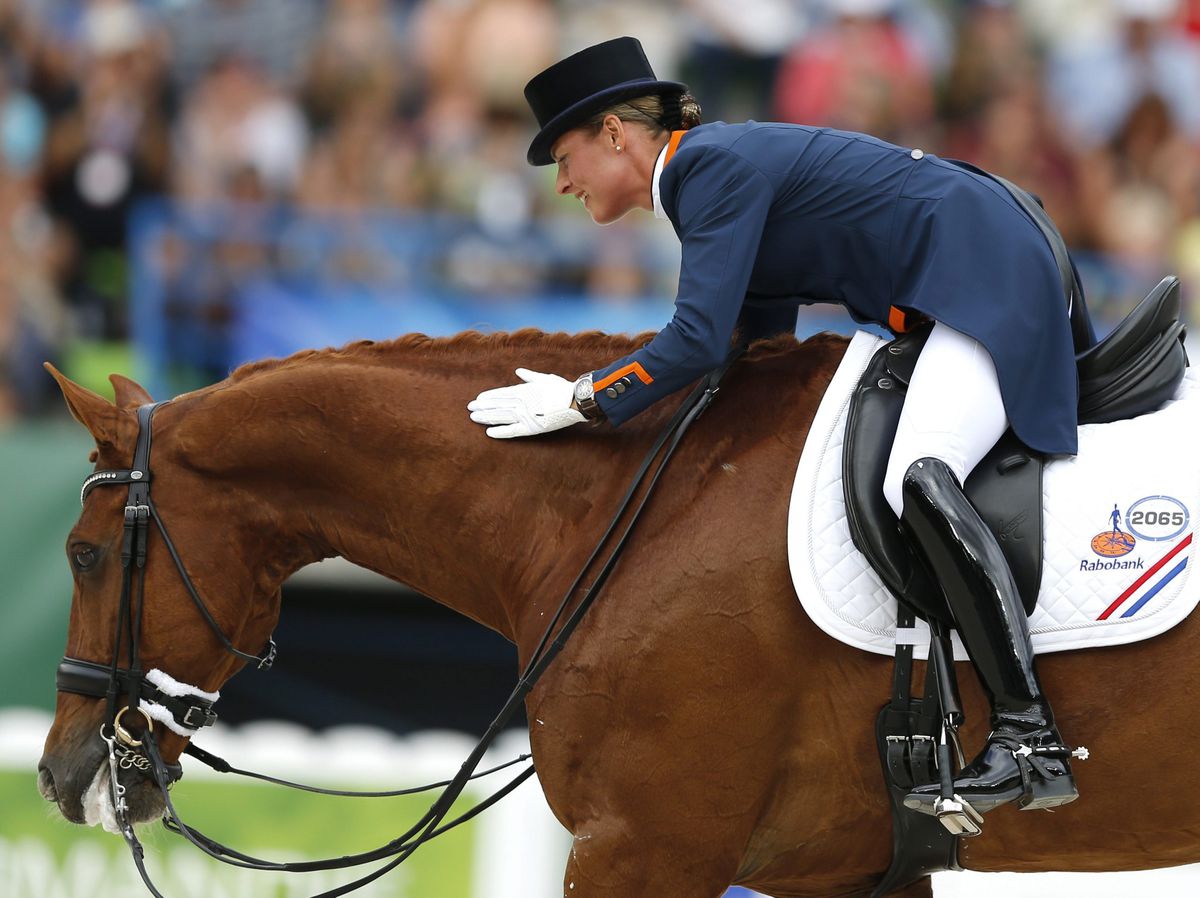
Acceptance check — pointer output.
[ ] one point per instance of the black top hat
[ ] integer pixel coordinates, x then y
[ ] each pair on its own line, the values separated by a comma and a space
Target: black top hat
566, 94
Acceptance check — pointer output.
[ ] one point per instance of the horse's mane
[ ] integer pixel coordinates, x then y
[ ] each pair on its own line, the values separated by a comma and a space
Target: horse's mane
480, 346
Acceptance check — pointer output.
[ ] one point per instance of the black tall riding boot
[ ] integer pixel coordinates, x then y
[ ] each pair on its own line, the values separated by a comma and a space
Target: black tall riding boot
1024, 759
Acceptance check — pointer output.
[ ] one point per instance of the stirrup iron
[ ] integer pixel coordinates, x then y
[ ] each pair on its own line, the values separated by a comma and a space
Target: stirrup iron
958, 817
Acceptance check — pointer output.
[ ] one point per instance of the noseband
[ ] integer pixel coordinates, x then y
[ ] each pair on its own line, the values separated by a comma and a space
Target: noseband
151, 695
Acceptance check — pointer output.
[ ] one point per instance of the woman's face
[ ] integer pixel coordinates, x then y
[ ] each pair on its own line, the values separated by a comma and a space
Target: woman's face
609, 182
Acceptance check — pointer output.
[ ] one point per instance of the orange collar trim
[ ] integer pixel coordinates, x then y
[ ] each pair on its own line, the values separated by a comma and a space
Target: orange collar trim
672, 146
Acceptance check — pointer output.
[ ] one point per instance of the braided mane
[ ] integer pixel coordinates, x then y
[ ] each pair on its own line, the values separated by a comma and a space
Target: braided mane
473, 343
482, 346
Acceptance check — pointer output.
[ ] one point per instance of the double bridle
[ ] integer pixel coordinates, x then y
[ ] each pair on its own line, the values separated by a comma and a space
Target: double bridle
154, 694
185, 709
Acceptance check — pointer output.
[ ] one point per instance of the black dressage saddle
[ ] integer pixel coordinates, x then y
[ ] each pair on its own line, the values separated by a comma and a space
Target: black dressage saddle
1132, 371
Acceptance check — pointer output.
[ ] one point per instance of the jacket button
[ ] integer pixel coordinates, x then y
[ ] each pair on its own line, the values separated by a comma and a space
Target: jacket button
610, 393
620, 387
625, 381
917, 154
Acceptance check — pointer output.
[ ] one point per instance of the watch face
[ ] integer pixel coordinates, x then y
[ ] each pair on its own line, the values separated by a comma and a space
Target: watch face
583, 388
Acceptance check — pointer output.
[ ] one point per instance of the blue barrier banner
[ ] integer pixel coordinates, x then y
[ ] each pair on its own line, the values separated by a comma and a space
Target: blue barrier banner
215, 287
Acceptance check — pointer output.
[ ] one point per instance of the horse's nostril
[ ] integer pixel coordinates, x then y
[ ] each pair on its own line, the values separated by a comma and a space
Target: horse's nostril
45, 783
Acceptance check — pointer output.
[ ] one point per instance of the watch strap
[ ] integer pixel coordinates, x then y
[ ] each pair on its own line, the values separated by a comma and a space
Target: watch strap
585, 398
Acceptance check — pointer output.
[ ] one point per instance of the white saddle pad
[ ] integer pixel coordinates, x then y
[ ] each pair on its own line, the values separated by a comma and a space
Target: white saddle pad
1117, 537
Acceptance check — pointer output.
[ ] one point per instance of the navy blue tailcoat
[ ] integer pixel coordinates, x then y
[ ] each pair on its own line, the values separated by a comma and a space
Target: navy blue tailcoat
772, 216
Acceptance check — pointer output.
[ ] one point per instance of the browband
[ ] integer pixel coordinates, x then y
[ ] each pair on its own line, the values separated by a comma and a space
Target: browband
105, 478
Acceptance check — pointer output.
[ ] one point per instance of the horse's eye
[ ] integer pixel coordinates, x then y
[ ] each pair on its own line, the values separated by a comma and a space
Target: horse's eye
84, 557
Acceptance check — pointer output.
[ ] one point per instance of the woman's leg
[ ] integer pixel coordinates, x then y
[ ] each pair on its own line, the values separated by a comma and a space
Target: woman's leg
952, 416
953, 410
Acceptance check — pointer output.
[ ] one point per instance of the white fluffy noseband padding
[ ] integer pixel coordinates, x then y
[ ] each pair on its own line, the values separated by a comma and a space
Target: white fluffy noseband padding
168, 685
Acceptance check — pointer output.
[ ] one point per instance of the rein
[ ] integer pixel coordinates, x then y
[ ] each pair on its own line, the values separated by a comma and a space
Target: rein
185, 709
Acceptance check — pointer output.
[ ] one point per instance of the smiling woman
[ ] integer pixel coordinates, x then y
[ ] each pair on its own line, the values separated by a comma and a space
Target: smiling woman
610, 161
771, 216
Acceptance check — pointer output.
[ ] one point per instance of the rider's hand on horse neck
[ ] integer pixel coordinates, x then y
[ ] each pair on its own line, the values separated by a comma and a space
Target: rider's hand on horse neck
541, 404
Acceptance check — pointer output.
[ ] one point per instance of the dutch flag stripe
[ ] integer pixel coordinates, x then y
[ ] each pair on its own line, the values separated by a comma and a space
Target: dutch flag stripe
1141, 581
1136, 606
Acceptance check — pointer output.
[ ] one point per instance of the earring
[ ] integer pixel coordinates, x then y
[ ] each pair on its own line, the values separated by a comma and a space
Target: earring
618, 148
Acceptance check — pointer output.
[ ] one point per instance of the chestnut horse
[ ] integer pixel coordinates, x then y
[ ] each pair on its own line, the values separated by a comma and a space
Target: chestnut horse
698, 730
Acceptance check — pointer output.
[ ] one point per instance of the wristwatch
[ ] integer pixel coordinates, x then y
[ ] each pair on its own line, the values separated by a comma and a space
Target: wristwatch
585, 398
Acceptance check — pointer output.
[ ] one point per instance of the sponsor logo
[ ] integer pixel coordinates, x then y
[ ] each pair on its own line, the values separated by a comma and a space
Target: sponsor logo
1157, 518
1111, 543
1116, 564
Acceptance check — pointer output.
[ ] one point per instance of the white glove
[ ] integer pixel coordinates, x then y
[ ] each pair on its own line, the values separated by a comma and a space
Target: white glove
541, 404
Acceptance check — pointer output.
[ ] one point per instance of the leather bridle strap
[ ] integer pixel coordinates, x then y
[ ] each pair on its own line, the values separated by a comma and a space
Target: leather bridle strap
264, 659
89, 678
133, 553
220, 765
193, 710
138, 478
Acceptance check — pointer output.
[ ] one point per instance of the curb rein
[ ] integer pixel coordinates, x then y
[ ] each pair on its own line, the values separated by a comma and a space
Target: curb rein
186, 709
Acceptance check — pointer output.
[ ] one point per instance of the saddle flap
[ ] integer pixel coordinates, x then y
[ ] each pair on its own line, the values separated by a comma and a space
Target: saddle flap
1005, 488
870, 425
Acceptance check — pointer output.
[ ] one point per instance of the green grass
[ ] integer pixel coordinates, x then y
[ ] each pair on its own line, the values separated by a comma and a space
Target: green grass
268, 822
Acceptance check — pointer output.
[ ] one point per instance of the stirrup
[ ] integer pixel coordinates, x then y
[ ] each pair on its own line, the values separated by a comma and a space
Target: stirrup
955, 814
958, 817
1035, 788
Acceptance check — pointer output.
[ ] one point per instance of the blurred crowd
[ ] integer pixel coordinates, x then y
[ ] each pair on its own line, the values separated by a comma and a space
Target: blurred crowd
347, 108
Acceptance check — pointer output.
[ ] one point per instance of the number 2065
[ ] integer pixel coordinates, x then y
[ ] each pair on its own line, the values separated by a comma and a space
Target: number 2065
1163, 518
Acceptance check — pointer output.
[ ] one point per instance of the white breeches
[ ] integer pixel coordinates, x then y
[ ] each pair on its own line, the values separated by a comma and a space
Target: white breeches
953, 410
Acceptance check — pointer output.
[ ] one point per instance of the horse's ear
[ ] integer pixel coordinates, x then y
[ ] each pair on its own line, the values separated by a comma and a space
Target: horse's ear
129, 393
97, 414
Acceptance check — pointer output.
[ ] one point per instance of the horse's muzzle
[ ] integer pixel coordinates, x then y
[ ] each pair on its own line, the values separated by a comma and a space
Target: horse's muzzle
65, 780
74, 774
85, 797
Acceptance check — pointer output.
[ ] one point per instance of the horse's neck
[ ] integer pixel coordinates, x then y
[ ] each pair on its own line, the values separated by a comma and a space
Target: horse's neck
383, 467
